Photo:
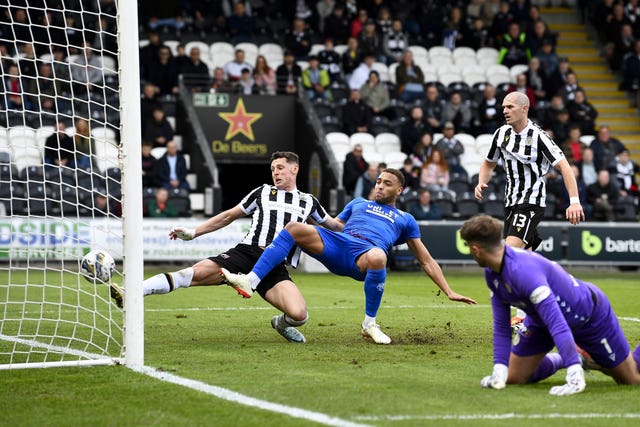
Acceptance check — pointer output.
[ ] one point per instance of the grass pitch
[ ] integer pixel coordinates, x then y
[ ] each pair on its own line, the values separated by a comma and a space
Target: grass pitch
429, 375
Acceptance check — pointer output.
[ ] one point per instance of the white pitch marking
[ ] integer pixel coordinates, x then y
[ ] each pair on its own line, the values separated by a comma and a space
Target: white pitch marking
630, 319
241, 399
507, 416
332, 307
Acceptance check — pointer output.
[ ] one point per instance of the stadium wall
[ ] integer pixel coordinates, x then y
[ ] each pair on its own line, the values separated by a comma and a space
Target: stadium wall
21, 239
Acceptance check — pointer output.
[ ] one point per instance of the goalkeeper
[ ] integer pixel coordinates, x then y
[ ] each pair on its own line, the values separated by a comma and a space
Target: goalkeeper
271, 207
561, 311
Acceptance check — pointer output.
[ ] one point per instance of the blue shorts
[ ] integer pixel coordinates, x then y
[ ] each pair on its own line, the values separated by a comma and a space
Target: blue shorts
601, 337
341, 251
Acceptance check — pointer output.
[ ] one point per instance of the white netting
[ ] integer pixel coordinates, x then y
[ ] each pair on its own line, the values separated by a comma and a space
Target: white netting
60, 174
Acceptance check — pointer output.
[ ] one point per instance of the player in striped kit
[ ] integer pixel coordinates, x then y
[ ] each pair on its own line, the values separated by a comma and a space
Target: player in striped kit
272, 207
527, 153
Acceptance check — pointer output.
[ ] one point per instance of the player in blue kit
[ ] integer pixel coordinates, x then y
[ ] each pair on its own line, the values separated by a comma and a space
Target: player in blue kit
561, 310
359, 251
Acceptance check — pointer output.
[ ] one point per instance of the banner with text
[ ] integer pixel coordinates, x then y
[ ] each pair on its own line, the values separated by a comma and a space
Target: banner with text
246, 129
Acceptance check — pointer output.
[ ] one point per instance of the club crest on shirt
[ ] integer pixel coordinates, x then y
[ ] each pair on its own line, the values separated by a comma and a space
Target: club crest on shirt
274, 191
528, 140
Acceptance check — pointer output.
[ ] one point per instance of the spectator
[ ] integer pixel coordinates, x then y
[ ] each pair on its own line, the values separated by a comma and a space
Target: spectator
421, 151
539, 36
572, 146
535, 79
86, 69
240, 24
164, 15
163, 73
409, 79
479, 36
356, 115
434, 108
354, 166
148, 165
588, 169
158, 130
330, 60
369, 41
61, 70
288, 73
324, 8
150, 52
246, 85
361, 74
560, 127
171, 171
27, 62
623, 44
181, 59
501, 21
160, 206
413, 129
559, 78
513, 47
631, 72
84, 145
357, 24
384, 22
316, 81
521, 85
549, 114
366, 182
148, 103
59, 148
351, 58
456, 30
410, 174
434, 175
568, 90
14, 98
195, 72
602, 195
42, 89
233, 69
336, 25
395, 42
583, 113
549, 61
265, 76
624, 170
458, 113
451, 148
425, 210
375, 94
298, 40
489, 110
220, 84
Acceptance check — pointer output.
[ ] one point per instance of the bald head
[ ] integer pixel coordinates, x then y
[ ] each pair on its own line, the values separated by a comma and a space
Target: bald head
517, 98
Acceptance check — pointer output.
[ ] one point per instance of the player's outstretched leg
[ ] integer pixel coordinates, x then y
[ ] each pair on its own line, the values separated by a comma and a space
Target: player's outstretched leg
285, 327
168, 282
116, 294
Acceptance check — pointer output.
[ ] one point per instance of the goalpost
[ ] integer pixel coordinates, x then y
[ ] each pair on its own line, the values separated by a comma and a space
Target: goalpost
79, 68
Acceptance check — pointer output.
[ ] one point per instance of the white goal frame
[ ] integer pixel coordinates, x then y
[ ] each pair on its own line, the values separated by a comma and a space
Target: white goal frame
132, 351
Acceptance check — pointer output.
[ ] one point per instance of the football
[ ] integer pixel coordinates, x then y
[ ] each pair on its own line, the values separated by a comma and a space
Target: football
97, 265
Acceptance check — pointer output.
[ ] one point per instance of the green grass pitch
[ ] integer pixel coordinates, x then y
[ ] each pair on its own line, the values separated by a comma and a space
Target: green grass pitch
429, 375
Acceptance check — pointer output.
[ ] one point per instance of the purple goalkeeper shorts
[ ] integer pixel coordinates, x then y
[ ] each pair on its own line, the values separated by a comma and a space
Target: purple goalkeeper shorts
601, 337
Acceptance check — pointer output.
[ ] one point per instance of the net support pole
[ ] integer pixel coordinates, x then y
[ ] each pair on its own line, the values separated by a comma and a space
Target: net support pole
131, 182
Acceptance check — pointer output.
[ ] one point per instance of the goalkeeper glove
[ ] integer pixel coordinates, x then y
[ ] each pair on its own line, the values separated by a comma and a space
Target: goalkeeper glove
575, 382
183, 233
498, 379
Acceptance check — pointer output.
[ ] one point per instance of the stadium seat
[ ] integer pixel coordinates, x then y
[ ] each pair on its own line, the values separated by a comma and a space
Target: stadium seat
387, 142
467, 205
430, 77
365, 139
587, 139
270, 49
493, 205
172, 45
439, 52
487, 55
340, 48
444, 200
104, 133
465, 61
42, 133
468, 141
419, 52
464, 52
204, 48
499, 79
517, 69
394, 159
107, 155
483, 143
316, 48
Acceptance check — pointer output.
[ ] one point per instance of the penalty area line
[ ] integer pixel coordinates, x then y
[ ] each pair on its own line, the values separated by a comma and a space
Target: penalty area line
331, 307
235, 397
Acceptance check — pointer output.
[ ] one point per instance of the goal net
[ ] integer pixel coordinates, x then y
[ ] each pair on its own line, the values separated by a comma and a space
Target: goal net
69, 182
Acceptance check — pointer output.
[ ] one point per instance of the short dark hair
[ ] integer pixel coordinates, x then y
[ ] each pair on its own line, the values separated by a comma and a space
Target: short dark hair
483, 230
397, 174
289, 155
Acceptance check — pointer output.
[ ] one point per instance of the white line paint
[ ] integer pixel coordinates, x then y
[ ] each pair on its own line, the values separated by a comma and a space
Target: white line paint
506, 416
630, 319
241, 399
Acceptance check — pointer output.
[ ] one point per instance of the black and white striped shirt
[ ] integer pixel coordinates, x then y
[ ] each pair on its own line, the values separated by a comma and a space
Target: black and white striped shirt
272, 209
526, 158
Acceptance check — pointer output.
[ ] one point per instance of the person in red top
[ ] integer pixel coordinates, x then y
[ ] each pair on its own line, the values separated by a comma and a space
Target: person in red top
573, 147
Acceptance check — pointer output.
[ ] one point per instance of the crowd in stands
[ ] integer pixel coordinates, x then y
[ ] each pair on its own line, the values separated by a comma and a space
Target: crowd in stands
357, 62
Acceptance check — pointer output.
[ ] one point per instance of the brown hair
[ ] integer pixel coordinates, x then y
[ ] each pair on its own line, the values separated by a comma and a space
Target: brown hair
482, 230
442, 162
289, 155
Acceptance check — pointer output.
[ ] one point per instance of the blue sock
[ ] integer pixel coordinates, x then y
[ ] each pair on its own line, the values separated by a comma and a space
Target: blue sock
274, 254
373, 290
548, 366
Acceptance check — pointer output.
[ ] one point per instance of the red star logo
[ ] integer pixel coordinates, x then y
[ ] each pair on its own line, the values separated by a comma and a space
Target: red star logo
240, 121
